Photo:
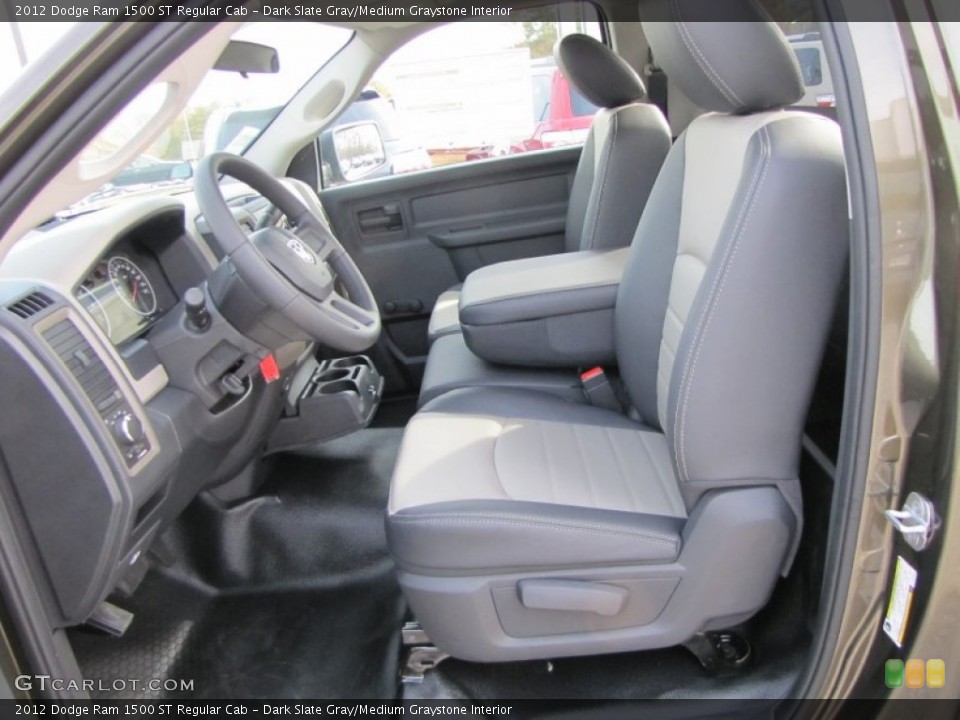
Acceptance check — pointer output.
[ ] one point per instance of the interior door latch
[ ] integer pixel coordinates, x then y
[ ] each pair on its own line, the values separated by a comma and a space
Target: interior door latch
917, 522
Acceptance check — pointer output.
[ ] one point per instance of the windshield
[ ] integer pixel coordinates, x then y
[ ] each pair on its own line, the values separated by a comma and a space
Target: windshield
227, 112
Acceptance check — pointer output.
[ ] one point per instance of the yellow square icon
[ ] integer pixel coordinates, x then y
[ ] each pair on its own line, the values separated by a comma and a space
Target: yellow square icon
914, 674
936, 673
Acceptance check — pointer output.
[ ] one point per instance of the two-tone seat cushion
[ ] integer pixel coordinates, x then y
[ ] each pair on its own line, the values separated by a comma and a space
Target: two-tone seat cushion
492, 479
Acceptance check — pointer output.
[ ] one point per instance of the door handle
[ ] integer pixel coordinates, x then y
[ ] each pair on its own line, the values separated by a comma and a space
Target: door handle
385, 218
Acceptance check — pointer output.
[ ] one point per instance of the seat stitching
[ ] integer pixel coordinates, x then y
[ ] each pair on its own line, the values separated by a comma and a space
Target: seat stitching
583, 463
765, 147
698, 57
671, 311
665, 369
692, 255
677, 445
746, 209
665, 347
494, 521
496, 471
743, 218
608, 152
667, 355
517, 292
586, 217
546, 461
715, 79
624, 476
664, 479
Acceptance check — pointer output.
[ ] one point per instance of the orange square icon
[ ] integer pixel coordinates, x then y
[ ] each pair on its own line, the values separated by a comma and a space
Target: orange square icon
914, 674
936, 673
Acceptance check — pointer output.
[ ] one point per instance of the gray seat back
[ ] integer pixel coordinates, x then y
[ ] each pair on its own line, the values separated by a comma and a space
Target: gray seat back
727, 296
623, 151
622, 154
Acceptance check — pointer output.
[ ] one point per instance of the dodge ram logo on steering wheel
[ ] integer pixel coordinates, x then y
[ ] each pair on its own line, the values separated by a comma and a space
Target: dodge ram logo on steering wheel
301, 251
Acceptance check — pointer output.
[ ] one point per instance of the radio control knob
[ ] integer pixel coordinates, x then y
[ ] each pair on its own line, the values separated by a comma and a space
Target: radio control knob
127, 428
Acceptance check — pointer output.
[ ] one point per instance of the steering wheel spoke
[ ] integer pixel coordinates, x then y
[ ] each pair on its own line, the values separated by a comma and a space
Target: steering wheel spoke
347, 312
305, 261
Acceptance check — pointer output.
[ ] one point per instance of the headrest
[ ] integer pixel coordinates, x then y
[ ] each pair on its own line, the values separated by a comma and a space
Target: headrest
601, 76
724, 56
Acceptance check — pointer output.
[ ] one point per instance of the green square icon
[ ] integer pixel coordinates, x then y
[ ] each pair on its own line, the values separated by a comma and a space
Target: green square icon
893, 672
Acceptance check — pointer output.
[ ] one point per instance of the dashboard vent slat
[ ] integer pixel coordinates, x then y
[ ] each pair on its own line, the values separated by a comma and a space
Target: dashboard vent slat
82, 361
30, 305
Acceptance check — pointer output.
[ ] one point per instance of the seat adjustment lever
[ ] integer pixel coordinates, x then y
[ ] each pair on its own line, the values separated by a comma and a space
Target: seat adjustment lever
573, 595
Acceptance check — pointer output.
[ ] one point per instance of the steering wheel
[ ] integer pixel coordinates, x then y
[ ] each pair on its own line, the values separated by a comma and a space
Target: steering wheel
295, 272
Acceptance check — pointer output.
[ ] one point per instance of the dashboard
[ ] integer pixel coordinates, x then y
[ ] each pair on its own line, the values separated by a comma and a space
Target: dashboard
101, 366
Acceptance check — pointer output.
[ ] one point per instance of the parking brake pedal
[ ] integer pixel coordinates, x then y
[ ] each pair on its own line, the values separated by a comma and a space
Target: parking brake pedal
110, 619
720, 653
421, 656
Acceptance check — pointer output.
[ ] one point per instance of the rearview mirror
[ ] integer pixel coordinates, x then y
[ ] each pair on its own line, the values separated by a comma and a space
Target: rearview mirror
248, 57
183, 171
359, 149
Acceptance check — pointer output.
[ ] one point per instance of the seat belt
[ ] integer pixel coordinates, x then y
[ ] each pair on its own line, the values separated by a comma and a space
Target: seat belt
598, 389
657, 88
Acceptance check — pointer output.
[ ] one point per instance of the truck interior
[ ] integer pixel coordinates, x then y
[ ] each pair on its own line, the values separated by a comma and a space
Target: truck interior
553, 424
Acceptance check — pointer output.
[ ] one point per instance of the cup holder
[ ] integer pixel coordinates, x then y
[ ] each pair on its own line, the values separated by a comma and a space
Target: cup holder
338, 386
339, 397
333, 374
352, 362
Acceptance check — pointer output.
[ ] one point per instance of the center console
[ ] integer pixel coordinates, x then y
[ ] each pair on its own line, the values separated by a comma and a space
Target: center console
554, 311
529, 324
328, 399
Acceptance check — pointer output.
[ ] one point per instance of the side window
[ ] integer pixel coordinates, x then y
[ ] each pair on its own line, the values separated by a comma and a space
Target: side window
810, 66
468, 91
817, 85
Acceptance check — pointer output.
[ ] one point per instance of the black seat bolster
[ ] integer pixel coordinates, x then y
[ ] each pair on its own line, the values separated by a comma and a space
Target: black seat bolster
476, 536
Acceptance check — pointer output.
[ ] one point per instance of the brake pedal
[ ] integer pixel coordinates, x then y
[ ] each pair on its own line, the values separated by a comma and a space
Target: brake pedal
110, 619
720, 653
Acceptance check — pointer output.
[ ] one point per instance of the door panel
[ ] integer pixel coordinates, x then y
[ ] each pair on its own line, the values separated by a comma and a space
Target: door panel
414, 236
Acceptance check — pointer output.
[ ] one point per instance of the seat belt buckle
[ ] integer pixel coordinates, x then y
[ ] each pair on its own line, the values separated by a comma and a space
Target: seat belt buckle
598, 390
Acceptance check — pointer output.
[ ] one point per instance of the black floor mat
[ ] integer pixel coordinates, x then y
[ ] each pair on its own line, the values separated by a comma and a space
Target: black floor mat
672, 673
288, 595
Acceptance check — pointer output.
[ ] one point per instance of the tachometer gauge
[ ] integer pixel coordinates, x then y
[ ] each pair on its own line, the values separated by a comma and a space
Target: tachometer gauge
132, 285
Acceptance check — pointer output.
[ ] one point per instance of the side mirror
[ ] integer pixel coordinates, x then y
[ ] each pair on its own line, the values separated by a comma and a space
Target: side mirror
359, 150
183, 171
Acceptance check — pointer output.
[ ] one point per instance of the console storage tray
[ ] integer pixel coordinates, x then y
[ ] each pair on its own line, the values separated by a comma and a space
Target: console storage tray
327, 400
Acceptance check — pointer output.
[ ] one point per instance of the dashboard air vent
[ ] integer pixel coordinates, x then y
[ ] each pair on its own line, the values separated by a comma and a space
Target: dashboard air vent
82, 362
30, 305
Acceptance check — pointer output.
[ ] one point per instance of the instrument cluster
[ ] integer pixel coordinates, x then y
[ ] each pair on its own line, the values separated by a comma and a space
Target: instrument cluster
123, 295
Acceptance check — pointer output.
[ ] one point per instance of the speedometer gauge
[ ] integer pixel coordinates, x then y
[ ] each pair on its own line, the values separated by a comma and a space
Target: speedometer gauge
132, 285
